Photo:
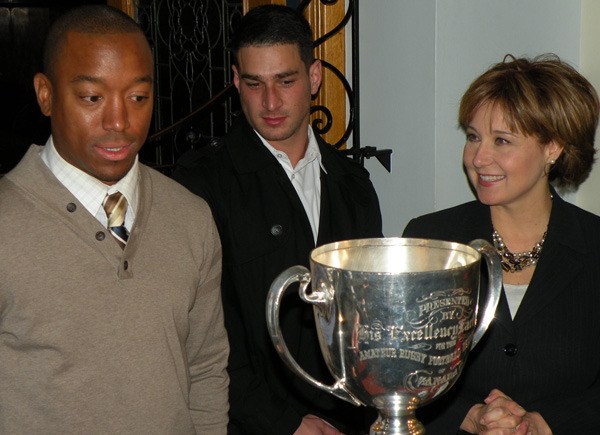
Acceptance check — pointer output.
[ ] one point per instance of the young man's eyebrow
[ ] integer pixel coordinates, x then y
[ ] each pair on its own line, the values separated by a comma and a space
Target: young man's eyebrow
258, 77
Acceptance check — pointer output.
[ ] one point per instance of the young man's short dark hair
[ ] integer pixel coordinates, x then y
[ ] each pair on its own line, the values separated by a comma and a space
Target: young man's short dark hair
274, 25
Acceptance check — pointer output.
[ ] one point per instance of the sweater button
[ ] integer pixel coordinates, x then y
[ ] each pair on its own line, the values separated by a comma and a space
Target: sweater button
71, 207
276, 230
100, 236
510, 350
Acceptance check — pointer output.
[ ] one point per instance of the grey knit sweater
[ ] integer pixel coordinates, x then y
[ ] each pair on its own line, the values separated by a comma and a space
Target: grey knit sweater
94, 339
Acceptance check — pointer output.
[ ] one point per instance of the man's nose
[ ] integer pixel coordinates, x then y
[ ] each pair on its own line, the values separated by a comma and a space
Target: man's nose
271, 98
116, 117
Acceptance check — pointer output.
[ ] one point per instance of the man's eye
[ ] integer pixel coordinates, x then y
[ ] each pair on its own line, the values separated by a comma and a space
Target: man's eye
252, 85
139, 98
91, 98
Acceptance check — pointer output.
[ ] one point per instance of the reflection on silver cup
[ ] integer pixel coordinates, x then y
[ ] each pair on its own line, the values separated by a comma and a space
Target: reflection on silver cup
396, 319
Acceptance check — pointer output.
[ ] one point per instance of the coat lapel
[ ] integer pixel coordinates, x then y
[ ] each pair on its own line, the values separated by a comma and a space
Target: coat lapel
479, 223
344, 198
558, 265
250, 157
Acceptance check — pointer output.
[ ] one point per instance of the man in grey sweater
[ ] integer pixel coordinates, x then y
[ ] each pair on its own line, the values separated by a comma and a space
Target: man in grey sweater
110, 308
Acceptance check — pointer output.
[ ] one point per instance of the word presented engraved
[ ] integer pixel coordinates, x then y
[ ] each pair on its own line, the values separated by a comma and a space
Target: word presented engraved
441, 321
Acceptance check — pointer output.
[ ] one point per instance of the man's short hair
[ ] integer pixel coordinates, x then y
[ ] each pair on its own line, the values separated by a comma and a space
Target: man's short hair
274, 25
96, 18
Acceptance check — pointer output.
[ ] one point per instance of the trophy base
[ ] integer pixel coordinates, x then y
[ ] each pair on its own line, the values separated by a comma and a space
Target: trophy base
397, 426
396, 417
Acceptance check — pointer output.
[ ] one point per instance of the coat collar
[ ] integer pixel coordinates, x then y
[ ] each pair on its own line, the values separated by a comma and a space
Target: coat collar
246, 150
248, 154
565, 228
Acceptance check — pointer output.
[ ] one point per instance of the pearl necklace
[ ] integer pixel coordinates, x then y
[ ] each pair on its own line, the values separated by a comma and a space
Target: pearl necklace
517, 262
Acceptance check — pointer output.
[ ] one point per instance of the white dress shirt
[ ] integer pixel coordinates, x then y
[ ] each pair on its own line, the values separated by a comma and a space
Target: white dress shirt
305, 177
89, 190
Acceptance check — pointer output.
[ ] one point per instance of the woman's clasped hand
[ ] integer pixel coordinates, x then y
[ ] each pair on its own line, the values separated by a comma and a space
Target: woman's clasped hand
500, 415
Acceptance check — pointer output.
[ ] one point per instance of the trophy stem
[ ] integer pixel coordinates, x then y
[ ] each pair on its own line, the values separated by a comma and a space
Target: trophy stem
397, 417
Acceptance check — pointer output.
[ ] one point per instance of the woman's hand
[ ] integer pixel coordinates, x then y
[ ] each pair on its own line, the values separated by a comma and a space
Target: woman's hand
537, 425
499, 415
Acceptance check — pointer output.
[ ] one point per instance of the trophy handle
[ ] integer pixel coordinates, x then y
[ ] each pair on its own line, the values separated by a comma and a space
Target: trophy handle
289, 276
494, 266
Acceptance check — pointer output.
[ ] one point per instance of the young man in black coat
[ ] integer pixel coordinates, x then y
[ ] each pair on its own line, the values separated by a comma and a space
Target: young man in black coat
276, 191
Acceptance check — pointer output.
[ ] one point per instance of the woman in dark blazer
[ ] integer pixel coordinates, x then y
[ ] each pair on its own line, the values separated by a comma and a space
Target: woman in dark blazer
537, 370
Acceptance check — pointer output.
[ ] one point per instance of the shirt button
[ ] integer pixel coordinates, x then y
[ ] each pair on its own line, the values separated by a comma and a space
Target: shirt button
510, 349
293, 176
100, 236
125, 265
71, 207
276, 230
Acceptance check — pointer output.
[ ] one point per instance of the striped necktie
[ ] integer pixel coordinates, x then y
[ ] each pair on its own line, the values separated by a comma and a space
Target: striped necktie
115, 206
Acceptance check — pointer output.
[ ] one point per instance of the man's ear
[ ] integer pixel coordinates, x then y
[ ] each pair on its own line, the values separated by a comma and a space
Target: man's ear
236, 77
314, 73
43, 91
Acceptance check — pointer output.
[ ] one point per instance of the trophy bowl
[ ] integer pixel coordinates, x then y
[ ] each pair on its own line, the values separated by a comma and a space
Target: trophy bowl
396, 319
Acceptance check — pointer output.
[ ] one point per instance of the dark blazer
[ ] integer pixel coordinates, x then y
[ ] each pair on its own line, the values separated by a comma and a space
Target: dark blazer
548, 358
264, 230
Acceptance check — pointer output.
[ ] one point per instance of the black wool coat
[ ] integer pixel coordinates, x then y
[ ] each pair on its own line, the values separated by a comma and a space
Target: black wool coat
264, 230
548, 358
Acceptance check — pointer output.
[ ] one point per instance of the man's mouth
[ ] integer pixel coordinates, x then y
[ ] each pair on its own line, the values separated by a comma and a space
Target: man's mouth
114, 153
274, 120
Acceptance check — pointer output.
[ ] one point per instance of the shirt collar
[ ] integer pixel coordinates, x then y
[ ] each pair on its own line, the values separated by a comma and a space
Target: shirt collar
87, 189
312, 152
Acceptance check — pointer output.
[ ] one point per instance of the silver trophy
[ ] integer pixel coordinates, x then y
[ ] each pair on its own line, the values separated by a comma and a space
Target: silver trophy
396, 319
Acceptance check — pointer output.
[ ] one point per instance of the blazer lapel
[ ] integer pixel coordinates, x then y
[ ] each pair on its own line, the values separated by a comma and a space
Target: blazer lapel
559, 262
481, 227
